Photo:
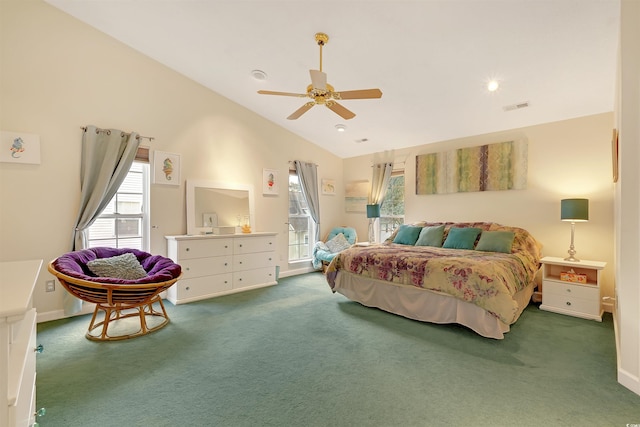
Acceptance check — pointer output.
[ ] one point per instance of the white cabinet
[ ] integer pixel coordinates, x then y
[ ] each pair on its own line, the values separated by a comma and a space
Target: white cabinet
214, 265
572, 298
18, 342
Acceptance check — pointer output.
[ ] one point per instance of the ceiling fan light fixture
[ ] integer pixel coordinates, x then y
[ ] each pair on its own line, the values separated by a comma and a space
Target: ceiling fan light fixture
259, 75
340, 127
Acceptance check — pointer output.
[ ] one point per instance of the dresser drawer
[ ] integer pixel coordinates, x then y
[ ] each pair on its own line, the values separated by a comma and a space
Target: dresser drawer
252, 261
203, 248
186, 290
245, 245
198, 267
258, 276
569, 289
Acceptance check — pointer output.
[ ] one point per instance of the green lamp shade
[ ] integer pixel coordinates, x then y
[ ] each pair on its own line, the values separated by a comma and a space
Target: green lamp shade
373, 211
574, 210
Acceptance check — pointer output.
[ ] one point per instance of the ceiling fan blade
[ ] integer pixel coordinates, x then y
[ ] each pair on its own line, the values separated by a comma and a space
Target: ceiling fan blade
318, 79
270, 92
340, 110
358, 94
300, 111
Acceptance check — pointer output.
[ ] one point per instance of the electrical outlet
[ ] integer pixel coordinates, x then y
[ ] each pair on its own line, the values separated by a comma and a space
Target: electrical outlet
50, 285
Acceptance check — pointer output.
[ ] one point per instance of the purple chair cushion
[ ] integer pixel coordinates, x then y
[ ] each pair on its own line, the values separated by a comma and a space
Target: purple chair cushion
158, 268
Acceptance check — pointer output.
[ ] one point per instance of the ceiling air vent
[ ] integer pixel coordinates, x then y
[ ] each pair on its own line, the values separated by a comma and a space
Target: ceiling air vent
517, 106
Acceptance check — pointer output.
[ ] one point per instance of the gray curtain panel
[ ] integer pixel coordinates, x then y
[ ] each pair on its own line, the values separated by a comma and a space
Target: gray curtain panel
379, 182
308, 176
107, 155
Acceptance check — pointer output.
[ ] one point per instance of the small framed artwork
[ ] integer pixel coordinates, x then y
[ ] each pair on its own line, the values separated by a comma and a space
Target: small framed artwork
329, 187
270, 182
20, 147
166, 168
615, 154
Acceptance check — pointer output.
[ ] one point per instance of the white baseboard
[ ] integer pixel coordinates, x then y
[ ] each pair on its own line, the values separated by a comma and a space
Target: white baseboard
297, 271
629, 381
48, 316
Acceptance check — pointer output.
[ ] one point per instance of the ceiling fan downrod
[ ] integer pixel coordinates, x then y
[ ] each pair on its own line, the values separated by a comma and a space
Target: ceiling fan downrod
321, 39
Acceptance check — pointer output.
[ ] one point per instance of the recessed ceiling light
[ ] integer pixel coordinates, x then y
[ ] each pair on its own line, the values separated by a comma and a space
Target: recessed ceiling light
493, 86
259, 75
341, 127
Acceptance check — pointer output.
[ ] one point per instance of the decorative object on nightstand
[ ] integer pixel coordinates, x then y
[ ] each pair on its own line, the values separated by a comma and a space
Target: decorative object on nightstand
574, 210
373, 212
572, 287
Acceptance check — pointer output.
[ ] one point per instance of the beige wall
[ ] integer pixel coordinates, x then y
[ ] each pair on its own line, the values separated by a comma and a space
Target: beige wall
58, 74
567, 159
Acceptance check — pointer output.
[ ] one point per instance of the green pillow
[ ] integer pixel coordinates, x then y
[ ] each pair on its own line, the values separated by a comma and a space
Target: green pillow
431, 236
461, 238
496, 241
407, 235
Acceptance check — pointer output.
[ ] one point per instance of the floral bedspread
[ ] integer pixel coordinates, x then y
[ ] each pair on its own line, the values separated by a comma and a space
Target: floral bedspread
487, 279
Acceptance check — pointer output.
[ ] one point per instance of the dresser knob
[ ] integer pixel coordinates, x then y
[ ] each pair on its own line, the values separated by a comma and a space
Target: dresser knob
39, 349
187, 249
240, 262
188, 268
568, 290
187, 288
240, 244
226, 246
269, 259
568, 302
225, 264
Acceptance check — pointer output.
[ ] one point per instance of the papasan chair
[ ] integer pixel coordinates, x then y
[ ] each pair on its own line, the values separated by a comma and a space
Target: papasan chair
122, 283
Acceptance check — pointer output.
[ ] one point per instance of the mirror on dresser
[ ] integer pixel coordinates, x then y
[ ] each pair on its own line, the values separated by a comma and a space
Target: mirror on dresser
217, 204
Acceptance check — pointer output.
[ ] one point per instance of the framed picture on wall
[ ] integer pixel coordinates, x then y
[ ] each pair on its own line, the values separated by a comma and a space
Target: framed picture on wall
329, 187
166, 168
20, 147
270, 182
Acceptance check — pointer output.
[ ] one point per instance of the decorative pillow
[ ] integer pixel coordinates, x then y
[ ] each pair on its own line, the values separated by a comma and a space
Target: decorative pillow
407, 234
431, 236
125, 266
461, 238
338, 243
496, 241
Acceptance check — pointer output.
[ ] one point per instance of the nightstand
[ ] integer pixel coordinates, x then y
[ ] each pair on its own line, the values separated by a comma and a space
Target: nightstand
572, 298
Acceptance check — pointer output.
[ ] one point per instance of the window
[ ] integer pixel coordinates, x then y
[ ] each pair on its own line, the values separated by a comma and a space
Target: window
301, 225
124, 223
392, 208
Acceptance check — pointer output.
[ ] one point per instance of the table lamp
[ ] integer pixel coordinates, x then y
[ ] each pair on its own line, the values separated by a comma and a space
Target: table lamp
574, 210
373, 212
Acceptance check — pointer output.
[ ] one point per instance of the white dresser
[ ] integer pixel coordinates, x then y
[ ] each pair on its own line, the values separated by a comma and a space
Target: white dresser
214, 265
18, 342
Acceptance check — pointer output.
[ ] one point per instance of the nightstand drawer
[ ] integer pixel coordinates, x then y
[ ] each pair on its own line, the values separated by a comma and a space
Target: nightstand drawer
571, 290
571, 303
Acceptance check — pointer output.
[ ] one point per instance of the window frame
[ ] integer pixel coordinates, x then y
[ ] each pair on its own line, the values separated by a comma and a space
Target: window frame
311, 229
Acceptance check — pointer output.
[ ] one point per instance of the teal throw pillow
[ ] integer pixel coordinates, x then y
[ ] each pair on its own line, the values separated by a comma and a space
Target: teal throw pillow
407, 234
461, 238
496, 241
431, 236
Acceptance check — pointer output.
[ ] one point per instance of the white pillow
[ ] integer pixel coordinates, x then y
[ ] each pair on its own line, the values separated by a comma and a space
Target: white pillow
338, 243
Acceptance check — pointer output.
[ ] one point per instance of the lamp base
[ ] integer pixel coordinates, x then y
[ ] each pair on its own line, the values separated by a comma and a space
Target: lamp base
572, 259
372, 235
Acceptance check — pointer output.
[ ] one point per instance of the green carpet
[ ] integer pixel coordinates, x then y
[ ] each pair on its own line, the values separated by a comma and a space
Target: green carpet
297, 355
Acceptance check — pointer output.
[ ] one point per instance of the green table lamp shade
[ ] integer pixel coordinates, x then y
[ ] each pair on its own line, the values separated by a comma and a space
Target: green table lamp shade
574, 210
373, 211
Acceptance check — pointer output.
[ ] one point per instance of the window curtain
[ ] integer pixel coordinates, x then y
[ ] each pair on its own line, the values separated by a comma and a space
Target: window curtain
107, 155
380, 182
308, 176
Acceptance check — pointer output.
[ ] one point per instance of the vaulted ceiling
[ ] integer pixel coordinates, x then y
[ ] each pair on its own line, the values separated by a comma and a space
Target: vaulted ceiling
432, 59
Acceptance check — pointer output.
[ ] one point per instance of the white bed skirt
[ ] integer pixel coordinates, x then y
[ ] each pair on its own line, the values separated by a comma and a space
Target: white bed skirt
425, 305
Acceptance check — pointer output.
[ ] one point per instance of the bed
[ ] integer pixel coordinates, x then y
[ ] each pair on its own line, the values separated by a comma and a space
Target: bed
478, 283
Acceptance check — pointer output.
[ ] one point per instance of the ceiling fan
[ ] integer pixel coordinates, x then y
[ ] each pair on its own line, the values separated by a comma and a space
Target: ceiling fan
323, 93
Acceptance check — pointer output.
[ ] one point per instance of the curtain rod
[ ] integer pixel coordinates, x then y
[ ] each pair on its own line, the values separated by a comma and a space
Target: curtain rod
108, 131
292, 161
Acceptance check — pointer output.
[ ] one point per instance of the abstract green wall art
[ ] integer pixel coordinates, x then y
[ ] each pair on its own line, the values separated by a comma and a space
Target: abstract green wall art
492, 167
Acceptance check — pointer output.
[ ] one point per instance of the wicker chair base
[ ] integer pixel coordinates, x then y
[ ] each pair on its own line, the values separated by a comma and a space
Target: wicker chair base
99, 330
